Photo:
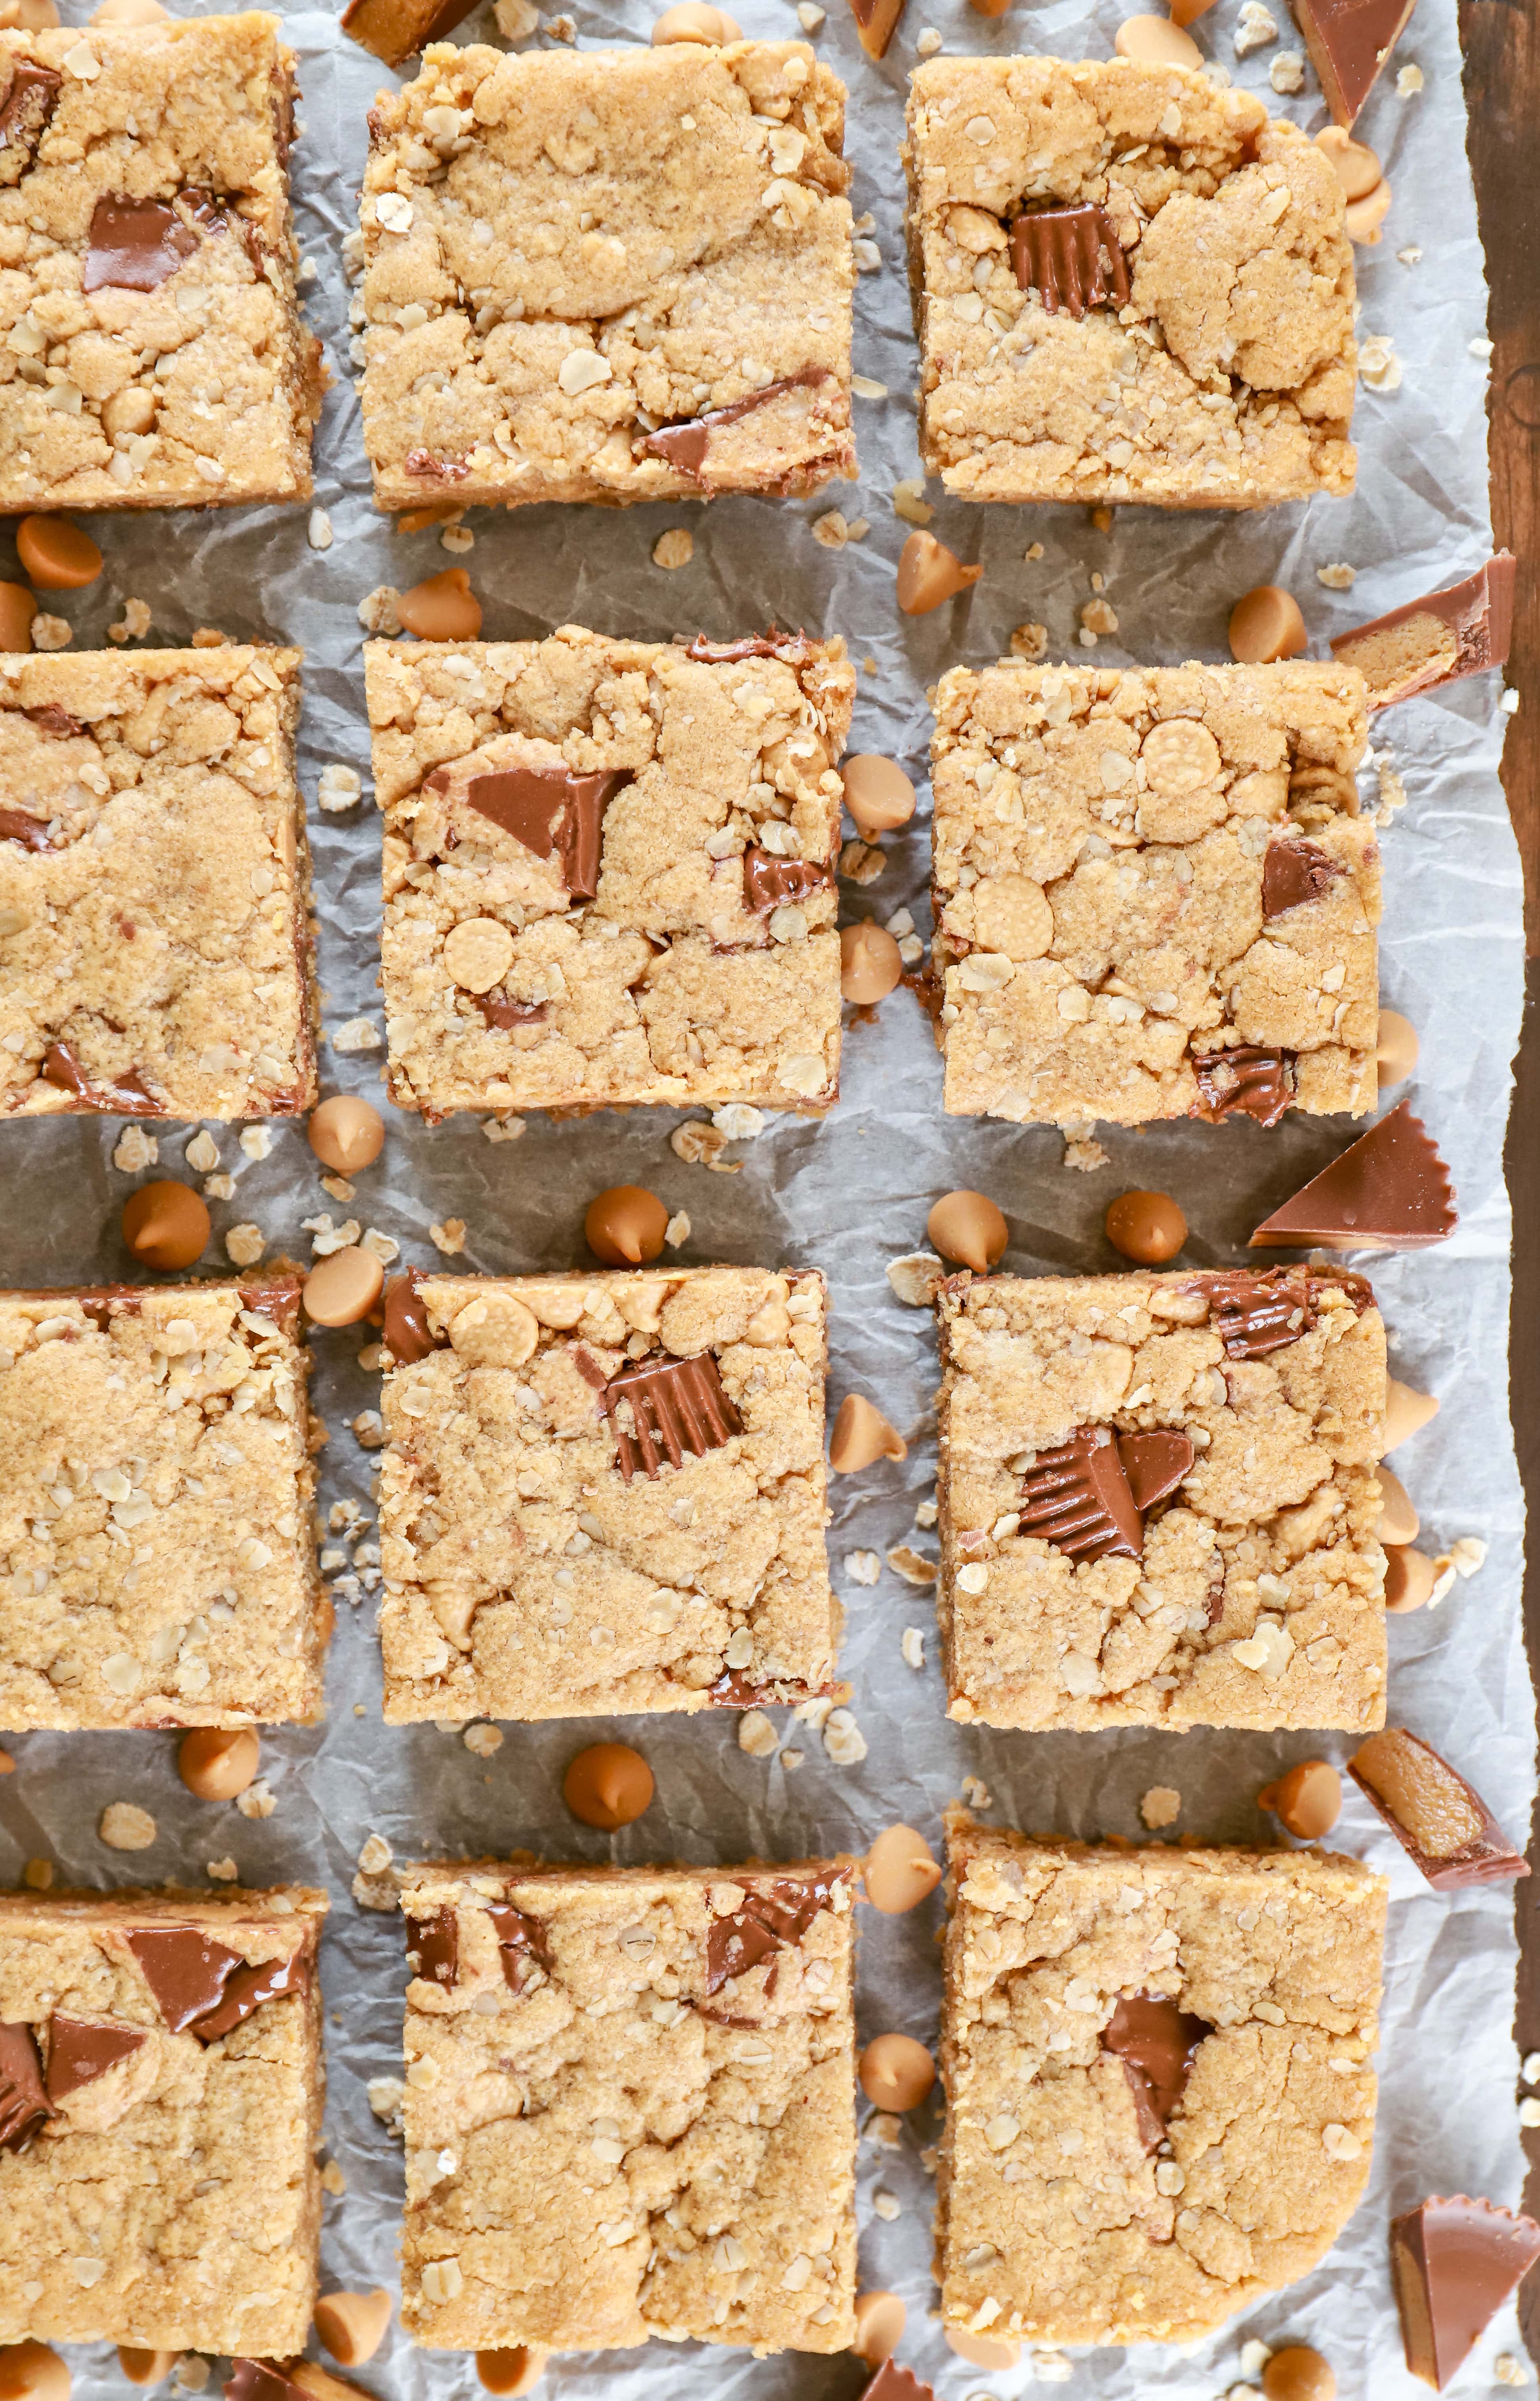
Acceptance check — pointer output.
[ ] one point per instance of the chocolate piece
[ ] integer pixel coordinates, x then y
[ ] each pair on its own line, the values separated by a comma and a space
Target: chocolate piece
500, 1012
1260, 1309
1438, 639
1293, 873
519, 1937
685, 446
1244, 1082
434, 1945
1441, 1822
80, 2053
874, 21
54, 719
263, 2379
186, 1970
1071, 256
107, 1301
894, 2383
135, 245
676, 1405
127, 1098
23, 2102
554, 812
436, 471
793, 648
770, 883
1389, 1190
1453, 2264
781, 1913
1154, 1465
248, 1988
405, 1330
1157, 2043
31, 98
1349, 42
1077, 1498
31, 832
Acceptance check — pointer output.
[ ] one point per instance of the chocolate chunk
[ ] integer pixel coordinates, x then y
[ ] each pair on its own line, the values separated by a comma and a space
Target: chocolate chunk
1071, 256
770, 883
500, 1012
186, 1970
894, 2383
433, 1948
23, 2102
248, 1988
127, 1097
277, 1301
80, 2053
54, 719
31, 832
135, 245
1077, 1498
1438, 639
1244, 1082
405, 1330
773, 1915
1441, 1822
1389, 1190
31, 98
794, 648
1263, 1309
263, 2379
1154, 1465
685, 446
1293, 873
554, 812
434, 470
1157, 2043
676, 1405
519, 1937
1349, 42
1453, 2264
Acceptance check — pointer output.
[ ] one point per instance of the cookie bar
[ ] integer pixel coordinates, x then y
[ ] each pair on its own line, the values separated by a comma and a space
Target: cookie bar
161, 2103
1130, 284
1153, 894
156, 1490
609, 870
1159, 2101
1158, 1500
154, 886
154, 354
607, 275
630, 2108
603, 1494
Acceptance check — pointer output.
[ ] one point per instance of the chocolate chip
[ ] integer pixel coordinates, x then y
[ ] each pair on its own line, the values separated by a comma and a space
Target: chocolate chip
185, 1969
685, 446
54, 719
1077, 1496
125, 1096
433, 1948
248, 1988
1154, 1465
31, 832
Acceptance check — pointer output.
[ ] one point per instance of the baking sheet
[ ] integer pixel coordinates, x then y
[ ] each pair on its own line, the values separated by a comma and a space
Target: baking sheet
852, 1194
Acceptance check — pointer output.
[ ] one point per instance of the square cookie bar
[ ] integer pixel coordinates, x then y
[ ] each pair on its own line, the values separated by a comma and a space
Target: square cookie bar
607, 275
604, 1493
154, 886
609, 870
1159, 2101
156, 1490
154, 355
1158, 1500
160, 2103
630, 2107
1153, 894
1130, 284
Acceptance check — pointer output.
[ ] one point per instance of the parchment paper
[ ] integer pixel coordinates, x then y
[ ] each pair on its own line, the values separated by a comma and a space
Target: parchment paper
853, 1193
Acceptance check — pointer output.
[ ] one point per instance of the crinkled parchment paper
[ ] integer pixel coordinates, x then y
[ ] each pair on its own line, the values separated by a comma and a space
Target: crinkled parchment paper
853, 1193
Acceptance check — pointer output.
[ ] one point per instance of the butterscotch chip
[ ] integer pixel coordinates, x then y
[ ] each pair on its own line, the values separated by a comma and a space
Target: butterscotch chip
1398, 1519
1296, 2373
875, 23
352, 2325
982, 2350
900, 1870
1410, 1579
1405, 1412
394, 29
969, 1227
442, 608
511, 2372
609, 1785
1359, 170
216, 1765
142, 2368
862, 1436
870, 964
346, 1134
879, 2321
165, 1225
694, 21
56, 554
1187, 12
344, 1288
1157, 42
895, 2072
877, 793
929, 573
1265, 624
18, 609
1396, 1048
1145, 1226
30, 2371
626, 1226
1365, 218
1308, 1800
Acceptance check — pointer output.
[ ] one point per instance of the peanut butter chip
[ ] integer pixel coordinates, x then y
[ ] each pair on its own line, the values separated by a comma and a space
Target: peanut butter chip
1364, 218
929, 573
879, 2321
444, 609
1359, 170
1405, 1412
895, 2072
496, 1331
899, 1872
1308, 1800
17, 610
870, 964
1398, 1519
1410, 1579
30, 2371
1421, 1792
1296, 2373
1155, 42
346, 1134
877, 793
352, 2325
478, 953
215, 1765
511, 2372
862, 1436
1145, 1226
625, 1226
1396, 1047
968, 1228
1265, 624
982, 2350
56, 554
1181, 756
165, 1225
694, 21
143, 2366
344, 1288
1012, 916
608, 1785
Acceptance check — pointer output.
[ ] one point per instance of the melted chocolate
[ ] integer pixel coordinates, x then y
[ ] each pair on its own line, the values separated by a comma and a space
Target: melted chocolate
136, 245
776, 1914
685, 446
1246, 1082
501, 1013
554, 812
770, 883
434, 470
1154, 1465
263, 2379
1157, 2043
23, 2101
1071, 257
126, 1098
433, 1947
1294, 874
31, 98
203, 1987
248, 1989
407, 1332
676, 1405
54, 719
794, 648
519, 1937
80, 2053
31, 832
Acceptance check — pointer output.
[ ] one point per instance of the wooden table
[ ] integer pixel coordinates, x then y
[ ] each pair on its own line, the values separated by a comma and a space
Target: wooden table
1501, 47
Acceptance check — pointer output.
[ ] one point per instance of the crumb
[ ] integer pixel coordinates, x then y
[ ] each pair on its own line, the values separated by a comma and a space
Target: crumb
257, 1800
223, 1870
338, 1188
386, 2094
483, 1741
244, 1245
1160, 1806
862, 1567
737, 1121
912, 1565
516, 19
909, 502
257, 1142
458, 539
790, 1760
1033, 551
1030, 641
378, 610
449, 1238
135, 1149
756, 1735
862, 863
1339, 577
502, 1129
1287, 73
38, 1875
831, 530
864, 388
7, 1764
677, 1232
333, 2179
369, 1429
219, 1187
808, 16
339, 788
385, 1248
675, 548
697, 1145
887, 2205
125, 1826
843, 1739
976, 1792
1257, 28
1378, 365
51, 632
925, 1512
1096, 617
1408, 83
929, 42
883, 2127
868, 258
1083, 1154
134, 624
916, 1278
357, 1033
1411, 255
208, 638
202, 1153
913, 1647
